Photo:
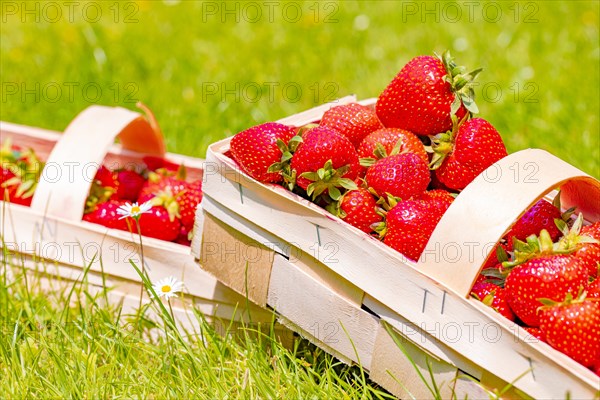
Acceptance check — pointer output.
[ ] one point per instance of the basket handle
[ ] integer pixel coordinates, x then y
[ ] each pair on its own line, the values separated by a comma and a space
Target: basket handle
487, 208
74, 160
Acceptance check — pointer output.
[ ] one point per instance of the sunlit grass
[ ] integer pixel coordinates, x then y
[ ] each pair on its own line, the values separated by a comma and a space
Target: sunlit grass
208, 76
64, 341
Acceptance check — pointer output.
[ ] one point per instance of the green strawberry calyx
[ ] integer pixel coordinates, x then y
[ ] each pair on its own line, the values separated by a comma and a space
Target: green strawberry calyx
25, 166
442, 144
535, 246
287, 152
380, 153
569, 300
166, 199
328, 179
572, 238
461, 83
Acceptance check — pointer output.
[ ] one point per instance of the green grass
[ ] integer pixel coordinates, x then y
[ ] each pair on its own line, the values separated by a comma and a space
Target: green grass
206, 79
541, 63
64, 342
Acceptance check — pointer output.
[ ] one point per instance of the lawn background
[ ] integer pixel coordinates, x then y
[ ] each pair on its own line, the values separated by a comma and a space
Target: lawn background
211, 69
199, 69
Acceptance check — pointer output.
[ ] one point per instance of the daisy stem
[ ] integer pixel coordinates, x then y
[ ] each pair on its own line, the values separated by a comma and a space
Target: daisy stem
137, 223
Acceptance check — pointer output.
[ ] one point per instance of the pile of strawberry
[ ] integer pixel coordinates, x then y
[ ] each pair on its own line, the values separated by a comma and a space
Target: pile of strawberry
393, 171
20, 171
174, 199
545, 278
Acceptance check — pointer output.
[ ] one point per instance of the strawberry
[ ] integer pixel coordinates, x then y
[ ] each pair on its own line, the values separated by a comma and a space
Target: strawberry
410, 223
465, 152
179, 197
130, 184
359, 209
590, 252
498, 255
440, 194
573, 327
402, 175
582, 241
106, 178
389, 138
596, 367
106, 214
154, 163
425, 94
159, 224
592, 230
538, 272
593, 289
21, 171
540, 216
352, 120
163, 181
492, 296
536, 333
325, 161
256, 149
188, 202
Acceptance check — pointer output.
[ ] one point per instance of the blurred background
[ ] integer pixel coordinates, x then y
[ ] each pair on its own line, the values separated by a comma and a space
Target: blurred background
210, 69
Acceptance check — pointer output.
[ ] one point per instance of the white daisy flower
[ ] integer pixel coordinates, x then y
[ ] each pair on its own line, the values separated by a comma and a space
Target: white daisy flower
168, 287
134, 210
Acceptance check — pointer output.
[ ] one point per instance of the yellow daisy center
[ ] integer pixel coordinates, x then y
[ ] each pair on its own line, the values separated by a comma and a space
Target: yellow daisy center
135, 210
165, 288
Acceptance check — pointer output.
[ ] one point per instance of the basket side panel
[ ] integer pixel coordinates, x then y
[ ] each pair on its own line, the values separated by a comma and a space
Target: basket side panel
239, 262
321, 314
393, 370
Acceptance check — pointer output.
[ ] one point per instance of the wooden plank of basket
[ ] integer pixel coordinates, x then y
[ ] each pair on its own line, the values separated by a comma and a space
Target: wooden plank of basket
70, 168
487, 207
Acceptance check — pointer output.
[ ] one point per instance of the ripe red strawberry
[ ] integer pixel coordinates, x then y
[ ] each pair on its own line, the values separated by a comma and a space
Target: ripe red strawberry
410, 223
465, 152
596, 367
440, 194
403, 175
498, 255
256, 149
590, 252
546, 276
540, 216
326, 150
188, 202
160, 183
493, 296
21, 171
388, 138
130, 184
581, 240
425, 94
573, 327
106, 178
159, 224
183, 237
593, 289
352, 120
106, 214
536, 333
359, 209
154, 163
592, 230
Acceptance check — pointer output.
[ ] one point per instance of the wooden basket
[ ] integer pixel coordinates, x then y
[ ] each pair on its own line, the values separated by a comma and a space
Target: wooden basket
50, 236
340, 287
